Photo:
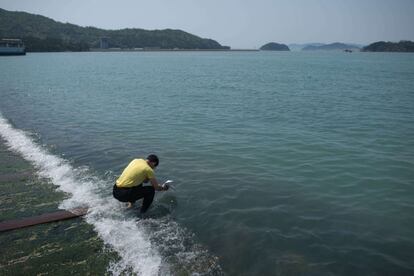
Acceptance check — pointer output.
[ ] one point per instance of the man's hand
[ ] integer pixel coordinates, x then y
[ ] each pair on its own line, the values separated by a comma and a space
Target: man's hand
155, 184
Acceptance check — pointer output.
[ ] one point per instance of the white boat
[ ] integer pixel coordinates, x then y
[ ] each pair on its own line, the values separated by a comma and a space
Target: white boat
11, 47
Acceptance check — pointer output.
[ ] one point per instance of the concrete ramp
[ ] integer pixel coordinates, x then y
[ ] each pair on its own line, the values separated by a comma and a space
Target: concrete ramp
44, 218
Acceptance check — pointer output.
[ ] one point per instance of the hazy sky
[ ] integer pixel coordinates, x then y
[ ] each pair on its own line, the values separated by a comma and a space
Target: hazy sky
243, 23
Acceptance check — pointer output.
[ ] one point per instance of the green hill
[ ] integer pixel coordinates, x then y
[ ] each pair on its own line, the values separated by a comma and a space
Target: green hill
273, 46
382, 46
40, 33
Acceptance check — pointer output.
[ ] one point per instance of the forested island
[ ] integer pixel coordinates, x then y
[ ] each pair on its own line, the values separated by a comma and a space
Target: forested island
42, 34
330, 47
273, 46
382, 46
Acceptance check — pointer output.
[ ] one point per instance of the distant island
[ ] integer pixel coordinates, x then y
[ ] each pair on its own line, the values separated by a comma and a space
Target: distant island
331, 47
299, 47
273, 46
42, 34
382, 46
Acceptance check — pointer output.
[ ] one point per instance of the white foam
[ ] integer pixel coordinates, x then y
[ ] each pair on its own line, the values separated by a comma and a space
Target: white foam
124, 236
146, 247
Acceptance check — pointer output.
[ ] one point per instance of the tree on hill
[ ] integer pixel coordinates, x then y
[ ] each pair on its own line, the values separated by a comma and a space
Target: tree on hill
40, 33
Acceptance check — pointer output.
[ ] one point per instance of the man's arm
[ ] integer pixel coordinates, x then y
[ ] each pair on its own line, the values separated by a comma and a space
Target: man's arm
156, 186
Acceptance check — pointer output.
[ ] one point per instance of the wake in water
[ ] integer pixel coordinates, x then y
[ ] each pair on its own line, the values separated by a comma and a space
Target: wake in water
152, 246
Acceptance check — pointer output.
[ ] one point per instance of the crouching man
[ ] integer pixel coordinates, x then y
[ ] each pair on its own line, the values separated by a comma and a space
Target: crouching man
129, 186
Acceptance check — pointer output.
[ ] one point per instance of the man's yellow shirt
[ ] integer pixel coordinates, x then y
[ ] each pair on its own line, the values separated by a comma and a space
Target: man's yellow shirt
135, 173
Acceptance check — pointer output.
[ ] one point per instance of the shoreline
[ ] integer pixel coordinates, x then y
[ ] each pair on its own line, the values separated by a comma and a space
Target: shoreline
171, 50
54, 247
149, 50
198, 50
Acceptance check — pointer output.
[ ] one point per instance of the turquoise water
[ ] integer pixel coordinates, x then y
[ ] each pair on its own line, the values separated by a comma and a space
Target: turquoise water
285, 163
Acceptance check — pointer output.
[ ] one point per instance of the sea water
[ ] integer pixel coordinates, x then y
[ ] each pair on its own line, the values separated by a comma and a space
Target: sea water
284, 163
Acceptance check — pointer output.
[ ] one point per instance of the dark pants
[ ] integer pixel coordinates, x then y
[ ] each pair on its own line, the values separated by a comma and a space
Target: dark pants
134, 193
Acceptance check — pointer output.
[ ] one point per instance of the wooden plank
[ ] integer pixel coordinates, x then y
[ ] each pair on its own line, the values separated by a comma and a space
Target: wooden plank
44, 218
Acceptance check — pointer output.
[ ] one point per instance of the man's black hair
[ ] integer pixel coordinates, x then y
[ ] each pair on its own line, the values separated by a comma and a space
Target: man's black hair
154, 159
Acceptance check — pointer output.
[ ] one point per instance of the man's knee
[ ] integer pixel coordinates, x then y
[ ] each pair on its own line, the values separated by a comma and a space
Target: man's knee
149, 191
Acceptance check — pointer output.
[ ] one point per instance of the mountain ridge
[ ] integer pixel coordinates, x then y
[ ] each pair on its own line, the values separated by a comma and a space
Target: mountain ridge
331, 46
41, 33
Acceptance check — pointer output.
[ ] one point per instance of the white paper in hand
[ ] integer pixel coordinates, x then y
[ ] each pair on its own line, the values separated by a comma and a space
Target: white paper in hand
168, 183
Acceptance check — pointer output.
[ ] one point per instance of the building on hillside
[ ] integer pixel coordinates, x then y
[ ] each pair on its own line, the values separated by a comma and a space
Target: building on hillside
104, 43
